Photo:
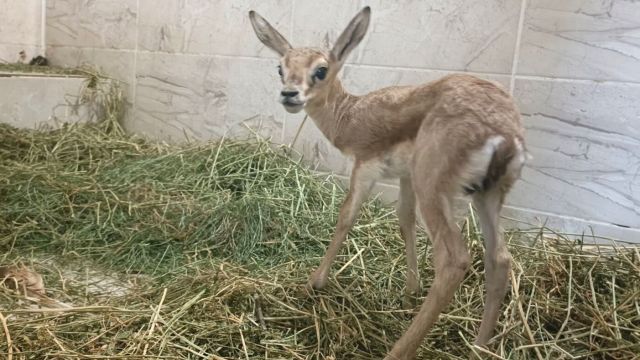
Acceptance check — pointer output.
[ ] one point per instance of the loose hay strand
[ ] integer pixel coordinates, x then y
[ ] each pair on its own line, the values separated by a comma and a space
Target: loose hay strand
7, 336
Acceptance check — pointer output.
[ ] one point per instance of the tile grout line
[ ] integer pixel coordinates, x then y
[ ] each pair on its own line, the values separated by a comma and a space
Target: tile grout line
516, 51
417, 69
575, 80
291, 21
134, 80
371, 66
560, 216
43, 28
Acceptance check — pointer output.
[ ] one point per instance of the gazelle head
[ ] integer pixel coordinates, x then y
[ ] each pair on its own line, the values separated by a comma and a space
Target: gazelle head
308, 73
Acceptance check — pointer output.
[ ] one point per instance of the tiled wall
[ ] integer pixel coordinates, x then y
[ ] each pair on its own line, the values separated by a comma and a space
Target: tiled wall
194, 67
20, 29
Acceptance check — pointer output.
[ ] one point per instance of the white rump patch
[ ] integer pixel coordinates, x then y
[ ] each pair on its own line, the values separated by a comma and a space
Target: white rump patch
478, 164
515, 166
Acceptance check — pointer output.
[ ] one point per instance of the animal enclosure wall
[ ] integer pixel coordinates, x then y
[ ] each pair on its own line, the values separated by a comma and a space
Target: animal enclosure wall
194, 67
21, 29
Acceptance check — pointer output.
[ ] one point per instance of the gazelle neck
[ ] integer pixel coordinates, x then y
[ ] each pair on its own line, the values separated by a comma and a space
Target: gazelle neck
330, 110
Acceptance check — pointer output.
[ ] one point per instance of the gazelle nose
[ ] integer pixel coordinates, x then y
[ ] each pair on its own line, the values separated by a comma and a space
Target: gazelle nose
289, 93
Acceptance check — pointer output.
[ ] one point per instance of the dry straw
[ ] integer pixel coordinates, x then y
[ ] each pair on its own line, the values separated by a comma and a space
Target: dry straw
202, 251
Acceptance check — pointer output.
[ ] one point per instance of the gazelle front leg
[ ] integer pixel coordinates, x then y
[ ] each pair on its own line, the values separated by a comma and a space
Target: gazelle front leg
407, 218
359, 189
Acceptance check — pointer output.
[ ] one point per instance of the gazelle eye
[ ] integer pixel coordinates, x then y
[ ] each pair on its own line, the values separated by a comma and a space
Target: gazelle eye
320, 73
280, 70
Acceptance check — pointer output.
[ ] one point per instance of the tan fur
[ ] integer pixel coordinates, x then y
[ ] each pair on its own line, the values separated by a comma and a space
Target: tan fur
450, 137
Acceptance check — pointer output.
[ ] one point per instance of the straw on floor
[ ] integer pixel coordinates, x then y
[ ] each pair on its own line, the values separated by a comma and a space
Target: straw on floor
202, 251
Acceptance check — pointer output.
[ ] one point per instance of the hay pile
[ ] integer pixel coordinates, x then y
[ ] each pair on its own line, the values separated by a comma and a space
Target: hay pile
202, 252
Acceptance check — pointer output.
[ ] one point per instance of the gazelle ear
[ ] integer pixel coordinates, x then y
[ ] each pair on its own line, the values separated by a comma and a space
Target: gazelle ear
351, 36
268, 35
325, 41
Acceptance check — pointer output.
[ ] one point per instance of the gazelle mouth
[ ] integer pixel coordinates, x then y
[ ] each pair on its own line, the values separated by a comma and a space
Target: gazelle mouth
292, 107
291, 103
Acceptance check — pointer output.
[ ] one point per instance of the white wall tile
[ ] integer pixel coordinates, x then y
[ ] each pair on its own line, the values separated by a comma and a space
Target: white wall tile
20, 23
443, 34
117, 64
319, 23
587, 39
20, 29
96, 24
204, 97
585, 140
219, 27
10, 53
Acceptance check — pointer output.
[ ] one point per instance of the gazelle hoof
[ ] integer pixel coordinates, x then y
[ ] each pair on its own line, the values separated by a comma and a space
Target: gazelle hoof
394, 357
409, 301
411, 295
317, 281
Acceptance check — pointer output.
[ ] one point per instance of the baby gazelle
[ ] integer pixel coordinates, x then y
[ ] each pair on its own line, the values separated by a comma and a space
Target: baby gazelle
459, 135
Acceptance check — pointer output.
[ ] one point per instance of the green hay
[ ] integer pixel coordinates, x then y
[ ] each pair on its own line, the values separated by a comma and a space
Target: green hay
210, 246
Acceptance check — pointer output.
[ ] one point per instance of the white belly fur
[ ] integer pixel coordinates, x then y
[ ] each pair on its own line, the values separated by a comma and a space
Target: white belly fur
395, 163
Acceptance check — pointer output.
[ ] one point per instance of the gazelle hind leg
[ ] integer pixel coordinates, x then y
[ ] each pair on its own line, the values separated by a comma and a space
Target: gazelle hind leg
497, 260
450, 256
451, 261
